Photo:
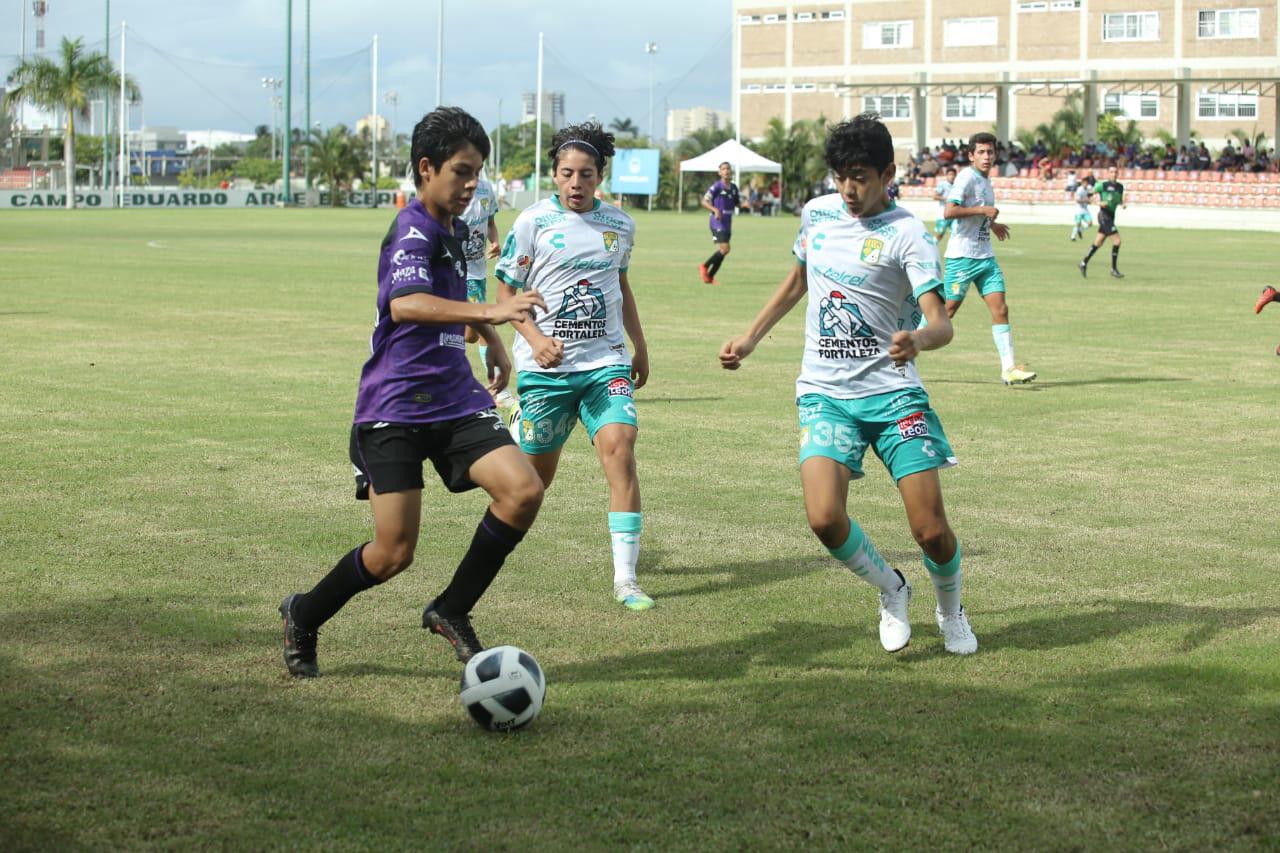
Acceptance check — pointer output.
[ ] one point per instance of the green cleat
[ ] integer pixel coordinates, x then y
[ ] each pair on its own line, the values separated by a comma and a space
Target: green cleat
632, 597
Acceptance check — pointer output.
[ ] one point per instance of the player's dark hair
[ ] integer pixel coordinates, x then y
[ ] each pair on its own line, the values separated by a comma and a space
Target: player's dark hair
861, 141
980, 138
588, 137
725, 163
442, 133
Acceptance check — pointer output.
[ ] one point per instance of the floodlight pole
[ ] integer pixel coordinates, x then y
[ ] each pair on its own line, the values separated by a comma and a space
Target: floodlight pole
651, 48
373, 128
440, 56
537, 132
106, 104
306, 132
124, 116
288, 101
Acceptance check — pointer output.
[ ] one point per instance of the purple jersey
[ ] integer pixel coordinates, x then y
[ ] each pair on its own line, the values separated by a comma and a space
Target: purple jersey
419, 373
724, 198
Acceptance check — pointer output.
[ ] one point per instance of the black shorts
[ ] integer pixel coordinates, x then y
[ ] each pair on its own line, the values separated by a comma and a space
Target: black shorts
723, 233
389, 456
1106, 222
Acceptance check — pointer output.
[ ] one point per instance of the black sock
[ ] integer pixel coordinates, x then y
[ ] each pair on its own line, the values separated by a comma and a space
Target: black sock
1092, 249
335, 589
713, 263
493, 541
1115, 256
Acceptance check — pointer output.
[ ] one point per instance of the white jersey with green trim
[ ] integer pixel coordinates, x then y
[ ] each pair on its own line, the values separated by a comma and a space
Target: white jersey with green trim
864, 276
573, 260
971, 235
484, 204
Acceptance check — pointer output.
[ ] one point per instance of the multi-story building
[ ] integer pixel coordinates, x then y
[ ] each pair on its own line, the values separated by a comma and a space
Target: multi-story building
938, 69
683, 123
552, 108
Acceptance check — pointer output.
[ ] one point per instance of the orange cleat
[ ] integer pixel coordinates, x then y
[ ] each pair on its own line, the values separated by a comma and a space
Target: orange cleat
706, 276
1269, 294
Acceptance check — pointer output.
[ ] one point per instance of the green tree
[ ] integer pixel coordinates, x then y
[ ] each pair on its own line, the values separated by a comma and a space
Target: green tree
335, 159
67, 84
624, 125
798, 149
261, 171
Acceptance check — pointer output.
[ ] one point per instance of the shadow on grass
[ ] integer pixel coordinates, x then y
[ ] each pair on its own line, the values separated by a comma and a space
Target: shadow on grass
644, 401
1043, 385
117, 731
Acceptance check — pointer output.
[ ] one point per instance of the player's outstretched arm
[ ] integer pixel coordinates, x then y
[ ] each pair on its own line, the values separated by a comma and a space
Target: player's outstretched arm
631, 322
547, 352
427, 309
497, 362
906, 345
789, 292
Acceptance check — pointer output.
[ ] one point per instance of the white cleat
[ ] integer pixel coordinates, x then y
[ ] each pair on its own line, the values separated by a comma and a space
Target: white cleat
895, 629
1016, 376
957, 636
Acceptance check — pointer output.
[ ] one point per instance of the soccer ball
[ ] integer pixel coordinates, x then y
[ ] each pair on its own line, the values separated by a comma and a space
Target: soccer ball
503, 688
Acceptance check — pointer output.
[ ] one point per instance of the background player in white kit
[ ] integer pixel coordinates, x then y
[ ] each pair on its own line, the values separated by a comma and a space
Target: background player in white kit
970, 258
941, 190
1084, 219
572, 361
481, 230
876, 266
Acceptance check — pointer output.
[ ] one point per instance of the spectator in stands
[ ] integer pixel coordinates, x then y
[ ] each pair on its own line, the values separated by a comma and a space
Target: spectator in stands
1227, 160
1039, 150
1248, 154
1203, 158
1183, 162
929, 167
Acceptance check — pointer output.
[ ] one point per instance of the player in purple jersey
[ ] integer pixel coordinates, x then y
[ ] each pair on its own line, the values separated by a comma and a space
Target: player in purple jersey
722, 200
419, 400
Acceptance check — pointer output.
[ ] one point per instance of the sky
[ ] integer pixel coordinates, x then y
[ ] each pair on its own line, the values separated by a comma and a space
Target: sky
200, 64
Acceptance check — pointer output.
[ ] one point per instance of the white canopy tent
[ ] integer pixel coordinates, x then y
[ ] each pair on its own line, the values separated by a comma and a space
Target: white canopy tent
733, 152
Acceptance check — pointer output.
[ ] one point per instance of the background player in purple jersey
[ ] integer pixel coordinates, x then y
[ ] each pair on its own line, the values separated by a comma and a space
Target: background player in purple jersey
722, 199
419, 400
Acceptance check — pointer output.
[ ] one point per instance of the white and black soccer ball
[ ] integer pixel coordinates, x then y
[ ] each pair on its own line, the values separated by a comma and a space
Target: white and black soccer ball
503, 688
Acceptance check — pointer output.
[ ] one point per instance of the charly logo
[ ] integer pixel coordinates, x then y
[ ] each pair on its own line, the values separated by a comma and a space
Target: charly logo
838, 318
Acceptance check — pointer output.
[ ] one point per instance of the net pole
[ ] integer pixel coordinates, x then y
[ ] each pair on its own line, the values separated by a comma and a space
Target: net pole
306, 112
106, 110
373, 130
288, 98
124, 115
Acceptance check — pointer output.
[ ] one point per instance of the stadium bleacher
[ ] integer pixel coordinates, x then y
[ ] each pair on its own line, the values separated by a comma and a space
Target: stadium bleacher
1142, 186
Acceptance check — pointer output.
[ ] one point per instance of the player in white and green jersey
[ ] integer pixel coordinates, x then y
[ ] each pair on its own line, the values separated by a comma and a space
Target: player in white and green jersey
970, 258
1084, 219
870, 270
572, 362
941, 190
481, 230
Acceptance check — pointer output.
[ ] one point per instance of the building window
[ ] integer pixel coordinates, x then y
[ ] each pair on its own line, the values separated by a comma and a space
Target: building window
780, 18
970, 32
748, 20
751, 87
775, 87
977, 107
888, 106
1134, 105
1065, 5
1131, 26
833, 16
1228, 24
1033, 7
803, 17
886, 34
1227, 105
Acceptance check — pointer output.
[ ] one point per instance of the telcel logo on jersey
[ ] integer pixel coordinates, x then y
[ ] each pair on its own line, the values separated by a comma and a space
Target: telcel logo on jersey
913, 426
587, 264
847, 279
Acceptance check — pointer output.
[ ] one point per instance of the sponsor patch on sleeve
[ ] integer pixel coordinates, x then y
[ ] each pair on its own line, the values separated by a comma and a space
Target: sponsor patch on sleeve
913, 426
620, 386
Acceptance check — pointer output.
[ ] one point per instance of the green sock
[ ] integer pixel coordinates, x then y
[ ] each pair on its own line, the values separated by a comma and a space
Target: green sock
946, 579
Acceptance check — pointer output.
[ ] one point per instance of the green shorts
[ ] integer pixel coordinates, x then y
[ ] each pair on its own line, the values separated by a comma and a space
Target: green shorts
984, 272
476, 290
900, 427
551, 403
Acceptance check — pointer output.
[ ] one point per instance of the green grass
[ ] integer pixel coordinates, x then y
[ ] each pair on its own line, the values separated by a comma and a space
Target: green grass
176, 394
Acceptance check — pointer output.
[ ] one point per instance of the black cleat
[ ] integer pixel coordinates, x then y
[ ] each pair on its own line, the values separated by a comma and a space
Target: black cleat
456, 629
1116, 274
299, 645
1084, 269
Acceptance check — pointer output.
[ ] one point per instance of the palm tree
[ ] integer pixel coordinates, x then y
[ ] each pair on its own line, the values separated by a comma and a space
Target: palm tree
624, 125
335, 158
68, 85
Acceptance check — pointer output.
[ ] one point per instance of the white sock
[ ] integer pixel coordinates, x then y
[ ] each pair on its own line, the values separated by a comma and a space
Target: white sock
1003, 336
865, 561
624, 531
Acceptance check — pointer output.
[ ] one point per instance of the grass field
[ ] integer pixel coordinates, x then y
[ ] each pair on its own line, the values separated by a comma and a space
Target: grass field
177, 390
